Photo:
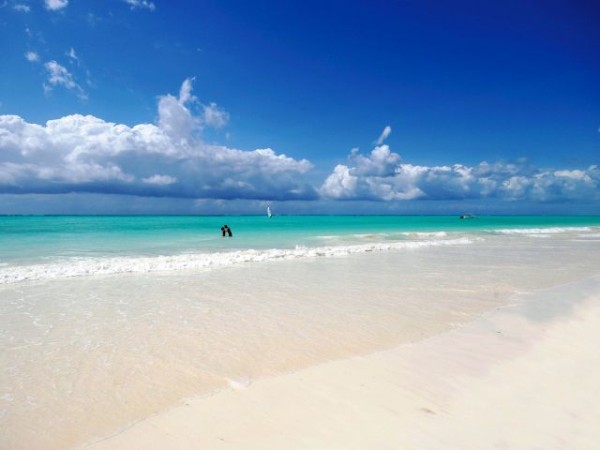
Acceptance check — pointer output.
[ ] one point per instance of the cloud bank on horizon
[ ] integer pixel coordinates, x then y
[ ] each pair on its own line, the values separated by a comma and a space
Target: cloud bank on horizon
87, 154
80, 153
382, 176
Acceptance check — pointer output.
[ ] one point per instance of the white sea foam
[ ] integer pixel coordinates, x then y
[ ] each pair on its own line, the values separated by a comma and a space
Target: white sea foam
354, 237
426, 234
549, 230
77, 267
388, 235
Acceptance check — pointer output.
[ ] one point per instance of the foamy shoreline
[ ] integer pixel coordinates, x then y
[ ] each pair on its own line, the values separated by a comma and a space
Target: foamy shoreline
524, 376
80, 267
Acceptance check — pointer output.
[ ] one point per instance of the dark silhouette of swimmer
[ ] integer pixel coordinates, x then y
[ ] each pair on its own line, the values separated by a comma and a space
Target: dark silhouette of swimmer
226, 230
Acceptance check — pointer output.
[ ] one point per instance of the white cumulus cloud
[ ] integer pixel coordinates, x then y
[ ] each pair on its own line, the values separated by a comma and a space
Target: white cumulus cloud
59, 76
214, 116
384, 135
80, 153
176, 118
141, 4
382, 176
72, 55
32, 56
55, 5
22, 8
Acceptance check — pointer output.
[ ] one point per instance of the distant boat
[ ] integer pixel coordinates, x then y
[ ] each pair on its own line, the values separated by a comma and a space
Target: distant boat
467, 216
269, 215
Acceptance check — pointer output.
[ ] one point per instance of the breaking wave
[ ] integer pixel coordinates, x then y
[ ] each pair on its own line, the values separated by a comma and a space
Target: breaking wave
77, 266
549, 230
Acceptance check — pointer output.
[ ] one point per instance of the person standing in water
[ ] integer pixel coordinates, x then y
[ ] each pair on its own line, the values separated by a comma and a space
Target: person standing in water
225, 230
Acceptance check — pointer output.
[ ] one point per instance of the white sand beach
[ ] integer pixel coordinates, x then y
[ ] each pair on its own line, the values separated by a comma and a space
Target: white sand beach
522, 377
487, 345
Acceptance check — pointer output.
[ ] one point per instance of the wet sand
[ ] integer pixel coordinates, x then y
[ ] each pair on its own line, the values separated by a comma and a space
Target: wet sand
521, 377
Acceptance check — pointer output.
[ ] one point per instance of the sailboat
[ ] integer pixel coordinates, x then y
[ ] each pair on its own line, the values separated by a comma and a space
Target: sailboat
269, 215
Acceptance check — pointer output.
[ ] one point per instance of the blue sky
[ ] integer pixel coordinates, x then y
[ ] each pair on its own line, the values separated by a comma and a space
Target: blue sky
208, 107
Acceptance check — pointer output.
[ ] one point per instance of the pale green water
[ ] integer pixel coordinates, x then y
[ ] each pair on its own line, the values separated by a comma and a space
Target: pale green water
39, 238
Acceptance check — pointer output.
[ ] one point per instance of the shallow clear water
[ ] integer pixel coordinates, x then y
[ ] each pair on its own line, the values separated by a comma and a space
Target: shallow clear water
31, 237
43, 247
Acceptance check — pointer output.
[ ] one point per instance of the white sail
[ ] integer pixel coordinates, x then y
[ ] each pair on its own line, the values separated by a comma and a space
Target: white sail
269, 212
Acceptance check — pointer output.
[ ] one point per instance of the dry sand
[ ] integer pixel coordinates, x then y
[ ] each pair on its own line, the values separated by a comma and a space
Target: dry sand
526, 376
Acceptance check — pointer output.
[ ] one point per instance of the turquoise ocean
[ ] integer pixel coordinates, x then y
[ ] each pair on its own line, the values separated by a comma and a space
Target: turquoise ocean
46, 247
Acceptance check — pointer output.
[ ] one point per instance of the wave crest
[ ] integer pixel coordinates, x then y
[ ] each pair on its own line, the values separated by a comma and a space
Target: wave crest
77, 267
549, 230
